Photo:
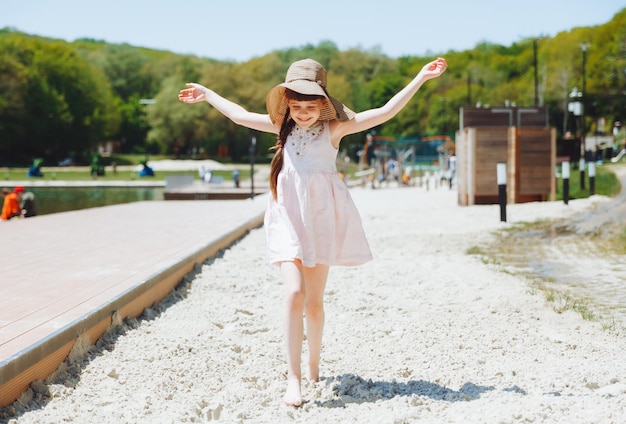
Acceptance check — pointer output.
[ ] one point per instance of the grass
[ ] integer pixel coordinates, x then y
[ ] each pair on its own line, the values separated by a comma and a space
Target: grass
474, 250
563, 302
606, 183
132, 158
82, 173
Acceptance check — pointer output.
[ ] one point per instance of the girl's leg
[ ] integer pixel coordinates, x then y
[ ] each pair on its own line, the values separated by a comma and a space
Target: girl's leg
314, 286
294, 307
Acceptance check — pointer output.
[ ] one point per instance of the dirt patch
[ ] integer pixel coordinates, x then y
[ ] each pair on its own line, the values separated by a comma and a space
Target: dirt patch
582, 257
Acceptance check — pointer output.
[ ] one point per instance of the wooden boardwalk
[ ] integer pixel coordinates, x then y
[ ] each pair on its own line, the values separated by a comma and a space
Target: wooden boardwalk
63, 276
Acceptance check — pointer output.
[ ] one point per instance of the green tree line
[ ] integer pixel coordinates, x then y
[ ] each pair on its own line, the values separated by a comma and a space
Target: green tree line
60, 99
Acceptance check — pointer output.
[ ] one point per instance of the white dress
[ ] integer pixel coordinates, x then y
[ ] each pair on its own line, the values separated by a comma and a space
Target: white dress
313, 218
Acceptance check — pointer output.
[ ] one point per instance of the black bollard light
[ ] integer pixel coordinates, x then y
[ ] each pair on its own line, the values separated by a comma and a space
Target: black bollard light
581, 166
565, 174
501, 176
592, 178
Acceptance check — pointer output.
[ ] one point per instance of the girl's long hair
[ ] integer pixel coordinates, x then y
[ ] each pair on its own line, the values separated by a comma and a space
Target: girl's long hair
285, 129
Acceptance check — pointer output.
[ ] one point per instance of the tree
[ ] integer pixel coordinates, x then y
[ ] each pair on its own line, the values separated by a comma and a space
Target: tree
66, 104
12, 100
59, 98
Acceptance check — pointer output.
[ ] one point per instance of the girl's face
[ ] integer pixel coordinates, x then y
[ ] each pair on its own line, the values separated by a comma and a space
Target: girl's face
305, 112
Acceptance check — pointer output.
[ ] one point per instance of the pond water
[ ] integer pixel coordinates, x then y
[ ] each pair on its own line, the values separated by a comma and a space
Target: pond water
62, 199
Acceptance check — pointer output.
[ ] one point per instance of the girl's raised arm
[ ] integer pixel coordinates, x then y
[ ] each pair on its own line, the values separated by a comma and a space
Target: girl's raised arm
195, 93
373, 117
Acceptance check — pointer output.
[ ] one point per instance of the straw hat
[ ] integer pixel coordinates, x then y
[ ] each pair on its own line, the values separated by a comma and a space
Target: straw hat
305, 77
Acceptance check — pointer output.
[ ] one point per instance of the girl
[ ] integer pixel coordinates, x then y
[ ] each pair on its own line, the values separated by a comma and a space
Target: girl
311, 221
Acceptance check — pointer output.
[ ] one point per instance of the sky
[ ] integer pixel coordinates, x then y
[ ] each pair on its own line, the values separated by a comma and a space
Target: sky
240, 30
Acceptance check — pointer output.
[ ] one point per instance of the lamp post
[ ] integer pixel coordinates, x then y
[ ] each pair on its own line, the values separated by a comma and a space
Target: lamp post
565, 174
583, 142
145, 139
536, 77
576, 107
469, 89
251, 151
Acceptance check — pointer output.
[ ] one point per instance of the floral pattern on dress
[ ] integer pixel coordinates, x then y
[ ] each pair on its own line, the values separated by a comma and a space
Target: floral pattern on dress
300, 137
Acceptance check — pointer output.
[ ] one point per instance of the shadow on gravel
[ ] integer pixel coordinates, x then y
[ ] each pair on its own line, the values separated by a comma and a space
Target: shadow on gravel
350, 388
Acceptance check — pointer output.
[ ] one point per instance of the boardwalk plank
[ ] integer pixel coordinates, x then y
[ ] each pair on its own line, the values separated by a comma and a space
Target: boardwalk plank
65, 273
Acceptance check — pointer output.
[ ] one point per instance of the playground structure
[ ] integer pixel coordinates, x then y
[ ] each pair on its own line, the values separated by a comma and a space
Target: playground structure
386, 158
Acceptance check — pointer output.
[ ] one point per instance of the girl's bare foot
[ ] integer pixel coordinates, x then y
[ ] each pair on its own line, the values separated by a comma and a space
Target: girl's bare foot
293, 396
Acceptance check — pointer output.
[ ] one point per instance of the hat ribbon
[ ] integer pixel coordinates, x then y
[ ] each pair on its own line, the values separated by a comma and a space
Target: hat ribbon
318, 82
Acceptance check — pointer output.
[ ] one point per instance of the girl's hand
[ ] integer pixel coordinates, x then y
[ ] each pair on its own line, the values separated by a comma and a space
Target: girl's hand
193, 94
434, 68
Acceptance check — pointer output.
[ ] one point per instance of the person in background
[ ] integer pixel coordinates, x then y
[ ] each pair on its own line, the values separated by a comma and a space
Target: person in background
236, 177
28, 205
5, 191
12, 206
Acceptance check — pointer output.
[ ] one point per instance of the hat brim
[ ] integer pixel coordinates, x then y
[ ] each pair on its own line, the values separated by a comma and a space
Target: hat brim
276, 102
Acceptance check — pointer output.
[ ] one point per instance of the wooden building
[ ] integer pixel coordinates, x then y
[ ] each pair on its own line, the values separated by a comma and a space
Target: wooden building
518, 137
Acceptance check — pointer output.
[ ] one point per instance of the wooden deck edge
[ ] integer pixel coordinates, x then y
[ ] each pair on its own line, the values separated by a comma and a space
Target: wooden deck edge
41, 359
212, 195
